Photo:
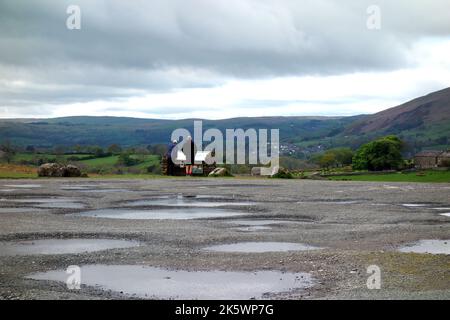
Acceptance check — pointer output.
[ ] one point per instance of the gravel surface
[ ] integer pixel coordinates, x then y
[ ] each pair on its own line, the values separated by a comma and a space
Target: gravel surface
357, 224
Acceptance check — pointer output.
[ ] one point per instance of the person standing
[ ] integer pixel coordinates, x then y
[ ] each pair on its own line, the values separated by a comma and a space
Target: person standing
189, 149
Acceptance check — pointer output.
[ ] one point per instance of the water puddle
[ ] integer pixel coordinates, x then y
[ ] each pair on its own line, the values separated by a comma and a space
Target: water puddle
105, 190
62, 246
428, 246
414, 205
39, 200
175, 214
261, 222
441, 209
445, 214
150, 282
25, 186
261, 247
253, 228
62, 205
331, 201
187, 201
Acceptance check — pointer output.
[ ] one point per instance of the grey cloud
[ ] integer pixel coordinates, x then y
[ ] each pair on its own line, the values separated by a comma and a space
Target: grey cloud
130, 47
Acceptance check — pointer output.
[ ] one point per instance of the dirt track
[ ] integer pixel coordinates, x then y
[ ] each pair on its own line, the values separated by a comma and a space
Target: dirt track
357, 223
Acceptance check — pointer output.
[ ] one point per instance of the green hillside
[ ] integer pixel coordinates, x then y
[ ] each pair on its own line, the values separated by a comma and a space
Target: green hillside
423, 123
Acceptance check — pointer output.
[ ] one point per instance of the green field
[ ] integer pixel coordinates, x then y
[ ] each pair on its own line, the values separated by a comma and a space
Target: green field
103, 165
30, 156
427, 176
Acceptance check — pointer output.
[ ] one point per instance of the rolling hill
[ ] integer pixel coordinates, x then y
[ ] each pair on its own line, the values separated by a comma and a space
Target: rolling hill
421, 113
423, 123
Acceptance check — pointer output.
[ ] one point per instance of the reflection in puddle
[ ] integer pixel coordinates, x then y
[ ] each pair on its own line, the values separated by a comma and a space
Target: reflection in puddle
62, 205
39, 200
261, 222
188, 213
150, 282
261, 247
26, 186
331, 201
62, 246
413, 205
253, 228
187, 201
445, 214
428, 246
105, 190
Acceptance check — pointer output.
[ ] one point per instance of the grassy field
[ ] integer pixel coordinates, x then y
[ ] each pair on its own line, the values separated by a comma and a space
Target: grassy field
110, 162
426, 176
10, 171
30, 156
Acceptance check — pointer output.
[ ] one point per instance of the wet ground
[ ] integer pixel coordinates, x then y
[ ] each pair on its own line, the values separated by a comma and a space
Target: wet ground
223, 238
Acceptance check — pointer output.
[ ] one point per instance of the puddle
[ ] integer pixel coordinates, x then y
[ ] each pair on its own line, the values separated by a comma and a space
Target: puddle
253, 228
187, 201
62, 205
39, 200
261, 247
331, 201
428, 246
7, 190
261, 222
18, 210
176, 214
442, 209
25, 186
150, 282
414, 205
104, 190
62, 246
445, 214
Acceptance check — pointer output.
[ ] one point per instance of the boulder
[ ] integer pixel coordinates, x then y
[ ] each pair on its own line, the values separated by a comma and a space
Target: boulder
71, 171
50, 170
282, 173
58, 170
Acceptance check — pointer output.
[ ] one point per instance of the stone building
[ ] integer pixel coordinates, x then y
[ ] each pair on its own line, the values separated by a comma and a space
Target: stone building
427, 159
431, 159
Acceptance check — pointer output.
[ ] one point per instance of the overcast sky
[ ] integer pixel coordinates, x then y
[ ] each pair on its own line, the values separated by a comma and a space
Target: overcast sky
219, 59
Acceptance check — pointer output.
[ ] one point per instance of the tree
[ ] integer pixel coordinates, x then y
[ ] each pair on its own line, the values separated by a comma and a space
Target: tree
126, 159
97, 151
334, 157
343, 156
327, 160
114, 149
7, 151
381, 154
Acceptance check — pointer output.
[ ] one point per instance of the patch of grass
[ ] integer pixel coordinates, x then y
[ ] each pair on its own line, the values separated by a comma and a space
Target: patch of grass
425, 176
105, 161
11, 171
